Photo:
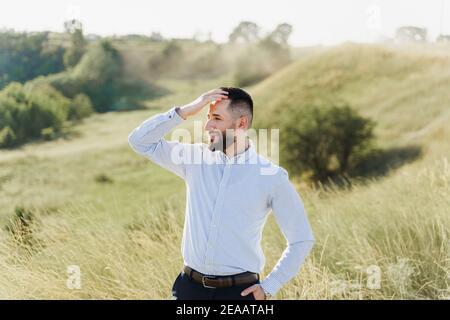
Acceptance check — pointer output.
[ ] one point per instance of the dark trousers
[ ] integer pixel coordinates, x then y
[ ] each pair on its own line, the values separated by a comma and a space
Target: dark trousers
185, 288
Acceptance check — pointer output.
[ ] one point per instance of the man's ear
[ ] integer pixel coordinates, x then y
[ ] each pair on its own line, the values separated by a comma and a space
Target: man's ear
243, 122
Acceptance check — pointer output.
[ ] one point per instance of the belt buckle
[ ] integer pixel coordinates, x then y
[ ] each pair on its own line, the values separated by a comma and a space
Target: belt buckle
203, 281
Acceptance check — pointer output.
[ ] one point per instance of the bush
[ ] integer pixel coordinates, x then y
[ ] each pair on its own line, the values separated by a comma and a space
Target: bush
48, 133
7, 137
324, 141
103, 178
26, 110
80, 107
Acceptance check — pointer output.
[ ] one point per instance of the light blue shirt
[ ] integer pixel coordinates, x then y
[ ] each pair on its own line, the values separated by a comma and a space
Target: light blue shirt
228, 200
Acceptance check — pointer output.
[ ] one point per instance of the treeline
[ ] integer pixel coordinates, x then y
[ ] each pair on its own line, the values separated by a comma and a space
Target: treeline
47, 79
25, 56
249, 55
68, 86
99, 75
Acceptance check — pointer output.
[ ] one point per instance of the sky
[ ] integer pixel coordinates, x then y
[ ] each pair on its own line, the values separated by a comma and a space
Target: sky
314, 22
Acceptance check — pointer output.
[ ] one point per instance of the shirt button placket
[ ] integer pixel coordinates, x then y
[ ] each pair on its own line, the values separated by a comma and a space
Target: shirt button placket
216, 216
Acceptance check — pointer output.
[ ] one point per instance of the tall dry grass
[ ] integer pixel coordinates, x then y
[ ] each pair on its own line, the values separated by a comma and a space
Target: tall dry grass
399, 226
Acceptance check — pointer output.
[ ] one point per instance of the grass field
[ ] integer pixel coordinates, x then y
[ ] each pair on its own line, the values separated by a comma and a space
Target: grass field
90, 201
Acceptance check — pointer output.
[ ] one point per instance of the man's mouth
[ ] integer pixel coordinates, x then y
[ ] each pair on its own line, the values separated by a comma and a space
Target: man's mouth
212, 137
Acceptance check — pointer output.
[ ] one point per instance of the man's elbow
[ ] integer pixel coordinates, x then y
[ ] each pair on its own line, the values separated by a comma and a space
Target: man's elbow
307, 245
132, 142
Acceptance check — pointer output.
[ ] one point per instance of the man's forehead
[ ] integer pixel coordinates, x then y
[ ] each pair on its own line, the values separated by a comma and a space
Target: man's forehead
218, 107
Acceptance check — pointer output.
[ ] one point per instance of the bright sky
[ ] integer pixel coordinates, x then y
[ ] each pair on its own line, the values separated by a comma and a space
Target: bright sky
314, 22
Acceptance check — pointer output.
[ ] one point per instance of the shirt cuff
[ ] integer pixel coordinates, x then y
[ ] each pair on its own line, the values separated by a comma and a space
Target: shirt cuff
176, 110
271, 285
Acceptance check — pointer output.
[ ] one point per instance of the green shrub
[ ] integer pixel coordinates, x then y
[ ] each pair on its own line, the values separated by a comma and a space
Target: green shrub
26, 110
103, 178
48, 133
324, 141
7, 137
80, 107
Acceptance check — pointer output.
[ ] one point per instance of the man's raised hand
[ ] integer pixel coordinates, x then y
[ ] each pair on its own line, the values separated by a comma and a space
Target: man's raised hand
203, 100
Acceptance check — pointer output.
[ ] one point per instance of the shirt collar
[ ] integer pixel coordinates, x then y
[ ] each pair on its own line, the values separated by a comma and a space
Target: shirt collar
242, 157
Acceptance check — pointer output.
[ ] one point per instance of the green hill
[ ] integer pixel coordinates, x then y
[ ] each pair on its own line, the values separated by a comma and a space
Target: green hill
405, 91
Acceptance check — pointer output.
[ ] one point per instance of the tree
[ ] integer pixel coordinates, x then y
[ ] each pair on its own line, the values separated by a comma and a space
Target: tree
264, 57
324, 141
259, 61
99, 74
156, 36
246, 32
443, 38
281, 34
411, 34
24, 56
167, 61
77, 43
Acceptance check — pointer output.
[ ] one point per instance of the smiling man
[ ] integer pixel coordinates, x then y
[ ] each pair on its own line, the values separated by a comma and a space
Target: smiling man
230, 193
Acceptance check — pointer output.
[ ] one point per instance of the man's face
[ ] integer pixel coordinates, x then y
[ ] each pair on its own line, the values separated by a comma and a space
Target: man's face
219, 120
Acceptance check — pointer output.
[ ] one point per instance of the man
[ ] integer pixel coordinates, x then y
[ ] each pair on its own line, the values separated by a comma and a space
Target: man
230, 192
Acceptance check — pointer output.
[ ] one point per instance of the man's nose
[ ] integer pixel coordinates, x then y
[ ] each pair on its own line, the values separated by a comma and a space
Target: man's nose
209, 126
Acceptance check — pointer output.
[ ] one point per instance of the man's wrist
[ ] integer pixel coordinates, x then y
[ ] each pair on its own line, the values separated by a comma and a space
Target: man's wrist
180, 113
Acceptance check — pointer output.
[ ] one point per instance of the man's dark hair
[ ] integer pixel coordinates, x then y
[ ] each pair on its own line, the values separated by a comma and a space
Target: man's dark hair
241, 103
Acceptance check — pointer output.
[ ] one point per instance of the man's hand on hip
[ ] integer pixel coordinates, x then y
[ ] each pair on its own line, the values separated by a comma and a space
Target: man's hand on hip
256, 290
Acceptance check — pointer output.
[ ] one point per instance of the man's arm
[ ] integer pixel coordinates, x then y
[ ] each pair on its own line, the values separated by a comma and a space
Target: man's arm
147, 138
289, 212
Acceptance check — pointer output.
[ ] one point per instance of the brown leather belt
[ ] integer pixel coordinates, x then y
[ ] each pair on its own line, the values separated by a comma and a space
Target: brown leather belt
209, 281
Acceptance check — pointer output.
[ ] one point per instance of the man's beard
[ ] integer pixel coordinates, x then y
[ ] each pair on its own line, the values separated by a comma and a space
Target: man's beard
223, 142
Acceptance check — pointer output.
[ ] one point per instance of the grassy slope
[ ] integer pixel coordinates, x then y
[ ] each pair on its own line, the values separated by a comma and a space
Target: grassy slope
405, 92
123, 236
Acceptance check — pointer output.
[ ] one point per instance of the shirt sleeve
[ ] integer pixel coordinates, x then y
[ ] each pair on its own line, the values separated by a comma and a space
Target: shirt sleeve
147, 140
289, 212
